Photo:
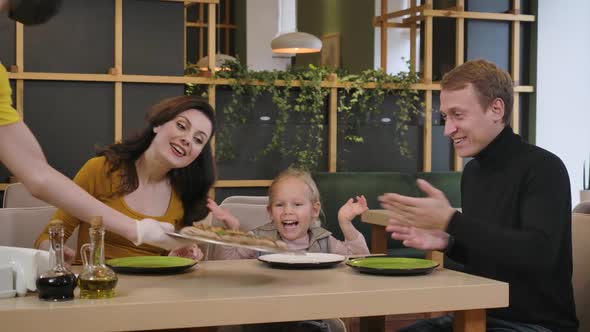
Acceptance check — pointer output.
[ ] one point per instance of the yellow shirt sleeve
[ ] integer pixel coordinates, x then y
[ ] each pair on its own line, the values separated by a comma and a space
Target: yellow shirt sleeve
84, 179
8, 114
94, 178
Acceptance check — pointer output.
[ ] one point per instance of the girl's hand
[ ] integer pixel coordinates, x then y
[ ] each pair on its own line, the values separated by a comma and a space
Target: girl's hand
228, 219
69, 253
352, 209
69, 256
193, 252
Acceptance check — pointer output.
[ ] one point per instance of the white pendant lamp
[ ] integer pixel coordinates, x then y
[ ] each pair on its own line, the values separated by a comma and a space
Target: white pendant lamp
289, 40
296, 42
203, 63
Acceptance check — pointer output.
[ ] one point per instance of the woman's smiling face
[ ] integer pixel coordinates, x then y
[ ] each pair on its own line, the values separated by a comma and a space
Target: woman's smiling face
181, 140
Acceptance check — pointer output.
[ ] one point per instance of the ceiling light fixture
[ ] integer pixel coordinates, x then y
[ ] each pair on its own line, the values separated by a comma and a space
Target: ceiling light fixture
220, 59
296, 42
289, 40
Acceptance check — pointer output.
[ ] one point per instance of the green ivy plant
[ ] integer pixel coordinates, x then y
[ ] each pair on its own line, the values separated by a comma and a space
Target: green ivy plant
307, 149
191, 88
355, 101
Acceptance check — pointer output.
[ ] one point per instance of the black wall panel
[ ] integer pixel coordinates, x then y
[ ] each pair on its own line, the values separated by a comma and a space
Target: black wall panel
139, 98
192, 45
488, 39
79, 39
253, 136
380, 149
153, 37
69, 119
442, 149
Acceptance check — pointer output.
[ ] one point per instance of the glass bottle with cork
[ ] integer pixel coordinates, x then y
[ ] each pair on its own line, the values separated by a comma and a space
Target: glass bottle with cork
58, 283
97, 281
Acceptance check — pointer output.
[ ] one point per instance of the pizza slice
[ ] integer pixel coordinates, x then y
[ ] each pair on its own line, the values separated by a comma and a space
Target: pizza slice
230, 236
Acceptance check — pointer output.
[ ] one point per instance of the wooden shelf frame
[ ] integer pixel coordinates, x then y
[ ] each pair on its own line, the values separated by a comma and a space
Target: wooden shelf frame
117, 75
222, 28
155, 79
422, 16
419, 13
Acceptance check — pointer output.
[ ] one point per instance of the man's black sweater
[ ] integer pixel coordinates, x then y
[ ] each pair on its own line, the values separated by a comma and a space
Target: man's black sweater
516, 227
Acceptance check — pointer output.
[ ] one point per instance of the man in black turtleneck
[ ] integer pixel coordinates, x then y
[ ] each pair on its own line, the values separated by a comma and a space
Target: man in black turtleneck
515, 224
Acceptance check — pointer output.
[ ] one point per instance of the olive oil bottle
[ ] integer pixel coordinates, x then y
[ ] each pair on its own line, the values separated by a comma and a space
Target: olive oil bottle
97, 281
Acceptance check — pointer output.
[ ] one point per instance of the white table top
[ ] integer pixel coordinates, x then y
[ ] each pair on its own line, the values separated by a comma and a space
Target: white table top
247, 291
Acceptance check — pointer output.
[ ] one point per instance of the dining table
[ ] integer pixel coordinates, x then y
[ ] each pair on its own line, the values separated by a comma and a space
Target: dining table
231, 292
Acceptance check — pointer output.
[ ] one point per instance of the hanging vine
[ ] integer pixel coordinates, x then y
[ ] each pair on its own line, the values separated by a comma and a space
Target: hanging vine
355, 102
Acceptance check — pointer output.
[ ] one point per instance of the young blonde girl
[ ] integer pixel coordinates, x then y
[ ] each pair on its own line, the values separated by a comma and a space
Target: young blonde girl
294, 208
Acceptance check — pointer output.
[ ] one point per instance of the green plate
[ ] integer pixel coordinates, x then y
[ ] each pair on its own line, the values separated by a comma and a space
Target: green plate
150, 264
392, 265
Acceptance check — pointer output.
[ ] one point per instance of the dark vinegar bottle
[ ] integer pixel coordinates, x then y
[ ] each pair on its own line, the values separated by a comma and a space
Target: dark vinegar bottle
58, 283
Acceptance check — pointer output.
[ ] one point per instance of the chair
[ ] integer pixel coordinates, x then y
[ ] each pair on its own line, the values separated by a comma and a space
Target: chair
263, 200
581, 273
249, 215
336, 325
583, 207
16, 195
20, 227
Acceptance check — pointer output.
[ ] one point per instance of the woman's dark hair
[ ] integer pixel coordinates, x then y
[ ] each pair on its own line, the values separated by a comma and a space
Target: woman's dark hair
191, 183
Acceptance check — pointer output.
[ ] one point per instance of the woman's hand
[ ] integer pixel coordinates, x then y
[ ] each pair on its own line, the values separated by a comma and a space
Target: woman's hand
218, 212
153, 232
193, 252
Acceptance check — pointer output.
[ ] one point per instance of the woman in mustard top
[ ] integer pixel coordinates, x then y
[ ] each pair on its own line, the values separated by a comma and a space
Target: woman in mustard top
163, 173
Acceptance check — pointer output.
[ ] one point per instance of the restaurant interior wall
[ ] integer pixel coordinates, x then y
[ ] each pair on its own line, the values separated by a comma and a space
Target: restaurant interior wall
230, 30
398, 40
261, 26
351, 19
563, 69
158, 60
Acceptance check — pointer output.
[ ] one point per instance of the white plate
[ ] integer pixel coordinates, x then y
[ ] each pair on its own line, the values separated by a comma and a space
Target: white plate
307, 260
225, 243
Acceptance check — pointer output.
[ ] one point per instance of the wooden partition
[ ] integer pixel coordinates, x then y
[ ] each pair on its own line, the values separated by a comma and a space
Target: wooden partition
125, 86
89, 75
421, 17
